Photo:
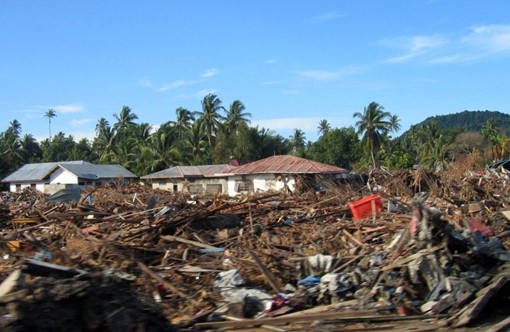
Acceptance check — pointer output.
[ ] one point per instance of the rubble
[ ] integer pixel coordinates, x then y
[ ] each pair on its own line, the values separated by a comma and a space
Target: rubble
432, 255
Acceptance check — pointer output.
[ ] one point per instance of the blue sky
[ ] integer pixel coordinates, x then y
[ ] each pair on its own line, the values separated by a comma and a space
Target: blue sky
291, 62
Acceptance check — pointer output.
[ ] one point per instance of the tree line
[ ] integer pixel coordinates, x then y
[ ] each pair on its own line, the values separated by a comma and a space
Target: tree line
218, 134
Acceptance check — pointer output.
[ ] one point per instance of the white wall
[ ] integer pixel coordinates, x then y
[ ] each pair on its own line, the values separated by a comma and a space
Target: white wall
169, 184
262, 182
63, 176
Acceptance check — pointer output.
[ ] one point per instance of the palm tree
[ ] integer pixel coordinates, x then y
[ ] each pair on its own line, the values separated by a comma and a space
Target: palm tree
236, 116
165, 154
373, 123
195, 145
184, 120
31, 149
125, 118
209, 117
395, 123
297, 140
104, 142
323, 127
50, 114
15, 127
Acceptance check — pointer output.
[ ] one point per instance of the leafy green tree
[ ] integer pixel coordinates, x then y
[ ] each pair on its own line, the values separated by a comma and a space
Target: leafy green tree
373, 124
496, 140
436, 156
50, 114
31, 150
164, 148
12, 155
58, 149
339, 147
83, 151
395, 154
195, 146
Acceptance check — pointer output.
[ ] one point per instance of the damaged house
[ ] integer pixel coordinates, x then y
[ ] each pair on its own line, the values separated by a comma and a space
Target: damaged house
282, 172
193, 179
54, 176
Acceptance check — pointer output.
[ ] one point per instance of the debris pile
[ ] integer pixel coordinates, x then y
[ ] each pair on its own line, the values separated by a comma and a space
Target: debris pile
428, 251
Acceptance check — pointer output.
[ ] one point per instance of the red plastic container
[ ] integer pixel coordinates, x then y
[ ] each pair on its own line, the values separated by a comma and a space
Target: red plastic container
366, 207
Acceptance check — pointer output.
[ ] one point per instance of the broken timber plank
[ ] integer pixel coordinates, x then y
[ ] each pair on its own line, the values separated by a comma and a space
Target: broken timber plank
171, 238
269, 276
502, 326
483, 297
165, 283
349, 316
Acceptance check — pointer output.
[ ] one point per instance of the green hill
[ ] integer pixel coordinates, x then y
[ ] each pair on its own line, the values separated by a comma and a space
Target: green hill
470, 120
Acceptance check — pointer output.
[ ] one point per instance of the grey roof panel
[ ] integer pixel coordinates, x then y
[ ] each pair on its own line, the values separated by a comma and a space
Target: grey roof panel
83, 169
189, 171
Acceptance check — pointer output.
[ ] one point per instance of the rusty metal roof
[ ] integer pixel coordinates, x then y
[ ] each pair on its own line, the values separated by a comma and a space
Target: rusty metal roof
286, 164
189, 171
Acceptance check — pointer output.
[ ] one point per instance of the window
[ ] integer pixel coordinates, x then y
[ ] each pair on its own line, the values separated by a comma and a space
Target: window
214, 188
196, 188
244, 186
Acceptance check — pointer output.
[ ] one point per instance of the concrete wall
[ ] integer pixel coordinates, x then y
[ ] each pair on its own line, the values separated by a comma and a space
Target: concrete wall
42, 187
211, 185
259, 183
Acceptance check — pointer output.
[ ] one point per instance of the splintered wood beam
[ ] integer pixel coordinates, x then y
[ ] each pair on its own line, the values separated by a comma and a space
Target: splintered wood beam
269, 276
348, 316
484, 295
165, 283
171, 238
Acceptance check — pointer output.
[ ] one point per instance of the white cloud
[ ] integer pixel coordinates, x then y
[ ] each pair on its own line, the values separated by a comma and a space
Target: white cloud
147, 83
210, 73
70, 108
330, 75
489, 38
481, 42
80, 122
174, 85
319, 75
326, 17
414, 46
271, 61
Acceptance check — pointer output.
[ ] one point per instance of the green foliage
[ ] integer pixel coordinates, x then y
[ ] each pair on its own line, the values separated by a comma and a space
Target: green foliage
375, 124
206, 137
471, 120
339, 147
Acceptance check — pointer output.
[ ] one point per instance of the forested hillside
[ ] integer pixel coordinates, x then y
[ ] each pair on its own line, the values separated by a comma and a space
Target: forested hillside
470, 120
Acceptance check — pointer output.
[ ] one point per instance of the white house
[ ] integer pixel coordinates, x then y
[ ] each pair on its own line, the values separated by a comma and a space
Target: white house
193, 179
282, 172
51, 177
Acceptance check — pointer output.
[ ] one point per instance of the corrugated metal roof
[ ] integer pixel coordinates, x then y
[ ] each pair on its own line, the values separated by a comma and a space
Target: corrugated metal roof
189, 171
93, 171
83, 169
286, 164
